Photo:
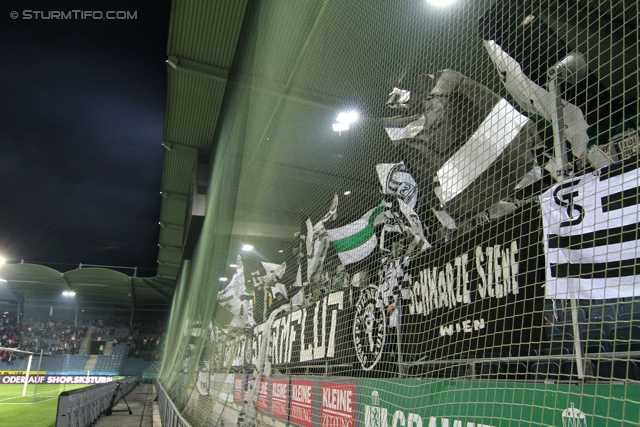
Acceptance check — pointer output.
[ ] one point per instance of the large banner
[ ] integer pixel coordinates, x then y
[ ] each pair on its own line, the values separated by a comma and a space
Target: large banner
481, 291
56, 379
591, 226
320, 332
419, 403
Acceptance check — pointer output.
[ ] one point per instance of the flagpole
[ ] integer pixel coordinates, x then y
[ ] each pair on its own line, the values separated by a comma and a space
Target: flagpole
576, 338
399, 337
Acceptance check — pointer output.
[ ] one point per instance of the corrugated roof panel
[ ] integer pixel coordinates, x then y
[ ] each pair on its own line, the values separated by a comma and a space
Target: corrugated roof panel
170, 255
172, 211
193, 105
178, 169
170, 236
168, 270
206, 30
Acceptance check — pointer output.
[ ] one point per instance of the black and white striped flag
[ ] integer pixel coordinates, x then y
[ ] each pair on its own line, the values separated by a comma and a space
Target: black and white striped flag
591, 234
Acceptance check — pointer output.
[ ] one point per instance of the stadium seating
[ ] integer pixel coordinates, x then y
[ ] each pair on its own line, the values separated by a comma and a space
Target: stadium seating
629, 310
109, 363
135, 366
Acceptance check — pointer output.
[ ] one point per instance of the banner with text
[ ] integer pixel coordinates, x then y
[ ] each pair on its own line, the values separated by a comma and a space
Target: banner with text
480, 291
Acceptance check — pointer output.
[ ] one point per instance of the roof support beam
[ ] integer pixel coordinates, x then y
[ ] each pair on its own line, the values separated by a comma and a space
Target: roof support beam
132, 294
197, 68
172, 264
171, 248
13, 293
66, 281
170, 226
174, 146
174, 196
149, 283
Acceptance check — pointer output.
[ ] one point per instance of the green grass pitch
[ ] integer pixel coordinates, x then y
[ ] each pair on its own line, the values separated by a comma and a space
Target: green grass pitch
18, 411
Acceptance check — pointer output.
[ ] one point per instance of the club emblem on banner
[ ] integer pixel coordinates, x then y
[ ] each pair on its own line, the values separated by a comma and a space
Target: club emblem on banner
369, 332
573, 417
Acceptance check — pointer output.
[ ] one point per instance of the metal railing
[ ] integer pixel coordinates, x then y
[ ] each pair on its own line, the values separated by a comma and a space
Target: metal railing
169, 414
82, 407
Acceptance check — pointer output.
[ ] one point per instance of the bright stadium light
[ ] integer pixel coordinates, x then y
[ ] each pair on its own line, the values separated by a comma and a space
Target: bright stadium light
233, 265
348, 117
344, 119
247, 248
223, 279
3, 281
69, 293
340, 127
2, 261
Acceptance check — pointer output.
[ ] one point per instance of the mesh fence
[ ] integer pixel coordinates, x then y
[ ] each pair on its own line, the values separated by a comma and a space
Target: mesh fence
442, 207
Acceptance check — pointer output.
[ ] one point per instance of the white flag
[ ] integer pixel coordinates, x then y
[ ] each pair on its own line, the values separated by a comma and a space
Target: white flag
396, 181
317, 242
274, 271
591, 241
357, 240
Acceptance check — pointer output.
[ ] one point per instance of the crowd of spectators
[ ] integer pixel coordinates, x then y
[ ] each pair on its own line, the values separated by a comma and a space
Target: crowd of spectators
51, 336
145, 339
59, 336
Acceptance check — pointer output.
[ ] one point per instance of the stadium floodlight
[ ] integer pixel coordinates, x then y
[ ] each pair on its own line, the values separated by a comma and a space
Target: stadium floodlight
344, 119
69, 293
3, 281
223, 279
340, 127
247, 248
2, 261
347, 117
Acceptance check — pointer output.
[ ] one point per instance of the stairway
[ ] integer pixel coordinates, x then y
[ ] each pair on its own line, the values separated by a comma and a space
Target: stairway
85, 346
91, 362
108, 348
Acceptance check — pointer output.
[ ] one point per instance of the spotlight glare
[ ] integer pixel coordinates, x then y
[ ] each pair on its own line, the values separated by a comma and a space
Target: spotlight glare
233, 265
223, 279
340, 127
247, 248
347, 193
349, 117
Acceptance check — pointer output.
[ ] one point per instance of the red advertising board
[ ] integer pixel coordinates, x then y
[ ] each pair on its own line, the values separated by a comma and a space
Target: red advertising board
338, 406
279, 398
301, 402
238, 389
263, 395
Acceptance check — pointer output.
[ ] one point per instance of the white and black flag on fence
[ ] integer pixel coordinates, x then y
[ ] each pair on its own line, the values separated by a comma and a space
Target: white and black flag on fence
591, 240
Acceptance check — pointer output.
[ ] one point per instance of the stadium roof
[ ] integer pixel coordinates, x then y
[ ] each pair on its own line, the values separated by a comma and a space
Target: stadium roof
93, 287
202, 41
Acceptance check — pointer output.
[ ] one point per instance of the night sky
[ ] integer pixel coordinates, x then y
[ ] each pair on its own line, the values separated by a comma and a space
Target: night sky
82, 106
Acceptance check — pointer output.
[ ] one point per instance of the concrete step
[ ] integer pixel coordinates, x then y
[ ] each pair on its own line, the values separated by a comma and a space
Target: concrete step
91, 363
